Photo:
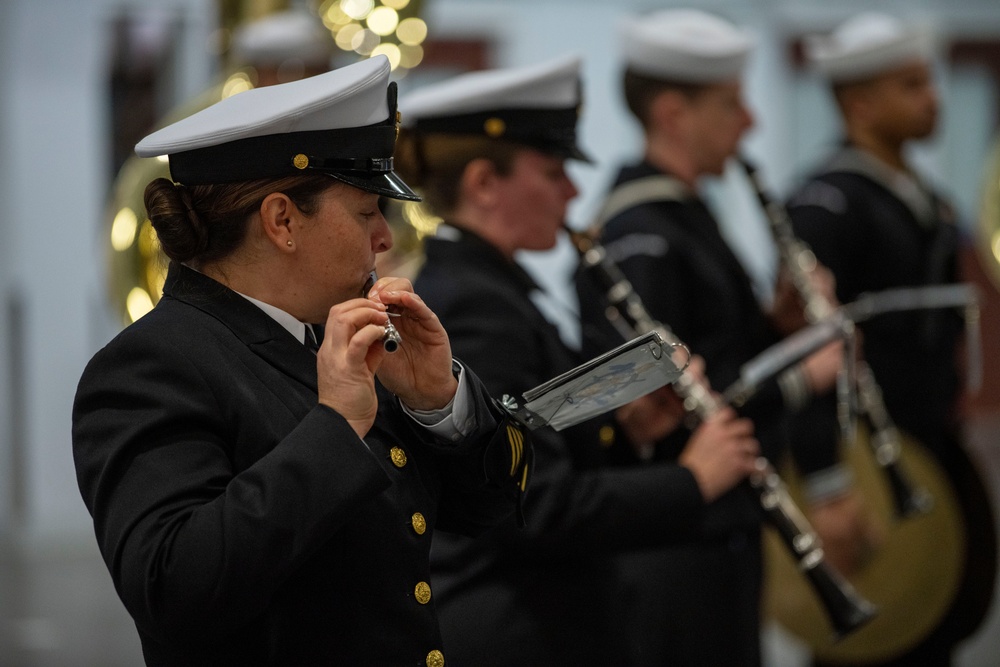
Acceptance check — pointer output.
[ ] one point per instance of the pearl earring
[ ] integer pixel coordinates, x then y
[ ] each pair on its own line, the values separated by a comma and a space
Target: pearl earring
288, 243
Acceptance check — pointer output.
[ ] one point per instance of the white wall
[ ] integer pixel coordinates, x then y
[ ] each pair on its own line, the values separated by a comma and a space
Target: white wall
54, 163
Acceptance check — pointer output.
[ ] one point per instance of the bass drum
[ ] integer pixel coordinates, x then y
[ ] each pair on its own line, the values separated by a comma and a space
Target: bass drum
913, 577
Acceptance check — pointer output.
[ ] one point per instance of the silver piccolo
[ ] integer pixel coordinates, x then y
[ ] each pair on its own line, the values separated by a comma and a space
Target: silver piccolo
390, 339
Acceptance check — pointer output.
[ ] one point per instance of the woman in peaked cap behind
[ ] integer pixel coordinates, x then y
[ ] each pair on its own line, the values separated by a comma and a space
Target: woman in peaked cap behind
257, 499
488, 149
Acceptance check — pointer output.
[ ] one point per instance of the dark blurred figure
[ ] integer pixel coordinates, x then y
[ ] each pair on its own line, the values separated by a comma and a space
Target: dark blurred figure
877, 224
488, 150
697, 604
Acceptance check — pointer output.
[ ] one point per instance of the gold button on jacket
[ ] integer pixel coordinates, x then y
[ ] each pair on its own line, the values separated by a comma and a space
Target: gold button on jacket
419, 524
398, 457
422, 591
435, 659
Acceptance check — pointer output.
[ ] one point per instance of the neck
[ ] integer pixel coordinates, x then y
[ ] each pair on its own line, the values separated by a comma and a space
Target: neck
480, 224
255, 279
671, 158
885, 150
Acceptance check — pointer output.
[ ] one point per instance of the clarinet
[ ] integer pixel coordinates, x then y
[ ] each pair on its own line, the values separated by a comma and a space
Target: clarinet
799, 259
846, 609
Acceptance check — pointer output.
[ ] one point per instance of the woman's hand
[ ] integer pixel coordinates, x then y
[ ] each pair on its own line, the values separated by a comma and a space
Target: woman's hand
419, 372
347, 361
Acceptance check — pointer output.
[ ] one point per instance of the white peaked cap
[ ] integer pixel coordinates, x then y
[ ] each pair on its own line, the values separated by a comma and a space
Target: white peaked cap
282, 36
553, 84
685, 45
342, 123
537, 105
866, 45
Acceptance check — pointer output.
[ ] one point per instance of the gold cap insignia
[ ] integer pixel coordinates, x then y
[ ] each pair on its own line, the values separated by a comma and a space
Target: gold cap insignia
300, 161
494, 127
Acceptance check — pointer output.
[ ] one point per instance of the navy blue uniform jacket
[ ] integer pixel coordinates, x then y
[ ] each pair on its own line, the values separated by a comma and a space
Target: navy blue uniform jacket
245, 524
542, 595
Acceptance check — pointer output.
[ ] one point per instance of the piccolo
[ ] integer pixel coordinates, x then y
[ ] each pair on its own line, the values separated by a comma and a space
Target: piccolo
798, 258
390, 339
846, 609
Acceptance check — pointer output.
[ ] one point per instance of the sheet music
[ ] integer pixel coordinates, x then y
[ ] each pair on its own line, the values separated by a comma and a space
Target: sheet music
605, 383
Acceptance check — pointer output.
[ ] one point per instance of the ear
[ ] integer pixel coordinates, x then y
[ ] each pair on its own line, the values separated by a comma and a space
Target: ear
479, 181
856, 102
667, 108
276, 214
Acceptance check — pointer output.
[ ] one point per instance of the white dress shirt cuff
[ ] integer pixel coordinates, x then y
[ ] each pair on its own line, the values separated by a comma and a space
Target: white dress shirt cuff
453, 421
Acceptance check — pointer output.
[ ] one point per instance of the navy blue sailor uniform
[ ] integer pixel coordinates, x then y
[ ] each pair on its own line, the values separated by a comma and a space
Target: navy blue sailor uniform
242, 522
877, 229
696, 604
543, 595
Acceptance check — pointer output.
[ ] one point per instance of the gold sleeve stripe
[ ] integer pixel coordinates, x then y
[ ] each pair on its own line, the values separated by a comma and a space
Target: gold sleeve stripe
524, 479
516, 441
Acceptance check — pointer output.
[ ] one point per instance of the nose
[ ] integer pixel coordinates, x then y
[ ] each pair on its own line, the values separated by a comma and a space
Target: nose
933, 98
381, 235
569, 187
748, 119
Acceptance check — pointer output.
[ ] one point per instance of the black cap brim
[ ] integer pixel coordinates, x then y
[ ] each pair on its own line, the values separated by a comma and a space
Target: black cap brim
386, 184
566, 151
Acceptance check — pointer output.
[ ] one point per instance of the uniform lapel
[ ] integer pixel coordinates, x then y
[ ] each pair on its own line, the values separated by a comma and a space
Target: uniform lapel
255, 328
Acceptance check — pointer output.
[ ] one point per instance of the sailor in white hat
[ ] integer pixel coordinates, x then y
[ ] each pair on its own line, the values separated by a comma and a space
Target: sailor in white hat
866, 45
487, 149
685, 45
682, 82
264, 478
878, 223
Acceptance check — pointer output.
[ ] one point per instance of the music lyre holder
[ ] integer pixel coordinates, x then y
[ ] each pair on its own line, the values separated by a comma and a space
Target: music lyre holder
609, 381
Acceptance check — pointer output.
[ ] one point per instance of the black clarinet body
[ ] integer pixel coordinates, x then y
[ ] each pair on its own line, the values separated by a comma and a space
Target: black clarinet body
798, 258
845, 608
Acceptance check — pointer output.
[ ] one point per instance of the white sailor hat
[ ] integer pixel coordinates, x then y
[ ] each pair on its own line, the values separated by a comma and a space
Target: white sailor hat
341, 123
537, 105
276, 38
684, 45
866, 45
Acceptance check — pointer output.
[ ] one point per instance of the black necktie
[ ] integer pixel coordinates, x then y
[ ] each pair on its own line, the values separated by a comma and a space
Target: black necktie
310, 341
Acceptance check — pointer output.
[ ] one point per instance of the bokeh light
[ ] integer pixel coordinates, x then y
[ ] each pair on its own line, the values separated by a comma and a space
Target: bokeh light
345, 36
365, 41
357, 9
390, 51
138, 303
239, 82
383, 21
123, 229
377, 27
412, 31
410, 56
422, 220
